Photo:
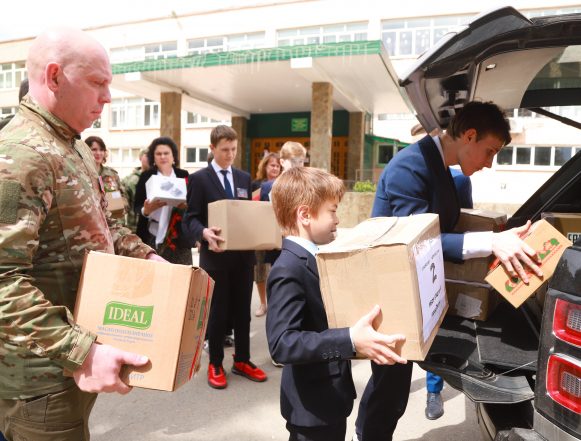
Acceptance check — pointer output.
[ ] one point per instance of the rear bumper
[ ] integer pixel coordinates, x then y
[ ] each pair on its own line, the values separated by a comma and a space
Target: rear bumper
518, 434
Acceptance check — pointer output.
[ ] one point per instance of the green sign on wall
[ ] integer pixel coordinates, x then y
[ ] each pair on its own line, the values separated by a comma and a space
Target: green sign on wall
299, 124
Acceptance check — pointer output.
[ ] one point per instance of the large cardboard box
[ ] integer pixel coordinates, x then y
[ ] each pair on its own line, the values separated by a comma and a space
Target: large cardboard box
396, 263
152, 308
474, 301
472, 219
246, 225
474, 270
550, 245
569, 224
172, 191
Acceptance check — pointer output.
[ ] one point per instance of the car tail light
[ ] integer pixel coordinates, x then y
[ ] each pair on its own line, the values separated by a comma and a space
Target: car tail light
567, 322
564, 382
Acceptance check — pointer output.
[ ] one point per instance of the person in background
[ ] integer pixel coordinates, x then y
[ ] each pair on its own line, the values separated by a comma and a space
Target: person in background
418, 180
231, 270
21, 93
129, 184
292, 154
109, 177
159, 224
268, 170
53, 213
316, 390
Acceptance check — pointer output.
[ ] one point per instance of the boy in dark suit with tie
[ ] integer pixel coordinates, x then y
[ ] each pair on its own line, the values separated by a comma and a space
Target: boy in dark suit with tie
317, 390
231, 270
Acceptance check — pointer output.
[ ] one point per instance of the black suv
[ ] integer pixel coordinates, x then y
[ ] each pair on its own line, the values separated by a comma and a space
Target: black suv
522, 367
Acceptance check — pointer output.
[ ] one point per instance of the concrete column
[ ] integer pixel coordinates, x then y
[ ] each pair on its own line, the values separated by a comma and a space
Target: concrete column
356, 144
239, 124
171, 121
321, 125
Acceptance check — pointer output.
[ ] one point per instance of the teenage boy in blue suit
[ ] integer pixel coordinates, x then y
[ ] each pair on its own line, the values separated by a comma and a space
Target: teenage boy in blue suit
233, 271
418, 180
317, 391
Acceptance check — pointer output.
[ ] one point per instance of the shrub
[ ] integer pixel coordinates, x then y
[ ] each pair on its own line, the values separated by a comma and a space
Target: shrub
364, 187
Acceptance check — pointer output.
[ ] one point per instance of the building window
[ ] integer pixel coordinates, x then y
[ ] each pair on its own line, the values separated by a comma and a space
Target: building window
226, 43
504, 157
322, 34
197, 155
197, 120
537, 156
7, 111
410, 38
134, 113
97, 123
523, 155
543, 156
153, 51
12, 74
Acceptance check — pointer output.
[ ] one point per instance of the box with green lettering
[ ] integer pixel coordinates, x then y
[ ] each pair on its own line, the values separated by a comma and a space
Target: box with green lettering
152, 308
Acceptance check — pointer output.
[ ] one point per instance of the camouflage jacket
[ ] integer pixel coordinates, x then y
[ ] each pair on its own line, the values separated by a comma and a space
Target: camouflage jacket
112, 183
129, 183
53, 211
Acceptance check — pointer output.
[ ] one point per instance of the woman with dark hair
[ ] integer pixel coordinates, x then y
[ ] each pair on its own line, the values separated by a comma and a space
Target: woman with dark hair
109, 176
159, 225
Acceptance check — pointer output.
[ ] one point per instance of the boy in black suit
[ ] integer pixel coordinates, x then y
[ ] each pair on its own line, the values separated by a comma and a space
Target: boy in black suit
317, 390
233, 271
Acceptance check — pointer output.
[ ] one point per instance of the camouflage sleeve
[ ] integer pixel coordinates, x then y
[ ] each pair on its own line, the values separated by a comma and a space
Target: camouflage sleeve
126, 243
28, 319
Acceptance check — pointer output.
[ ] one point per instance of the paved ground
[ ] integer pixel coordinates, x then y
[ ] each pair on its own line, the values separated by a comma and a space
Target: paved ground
248, 411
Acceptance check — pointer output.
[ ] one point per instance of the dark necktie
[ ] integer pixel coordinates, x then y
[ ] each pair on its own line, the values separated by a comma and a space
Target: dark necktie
227, 185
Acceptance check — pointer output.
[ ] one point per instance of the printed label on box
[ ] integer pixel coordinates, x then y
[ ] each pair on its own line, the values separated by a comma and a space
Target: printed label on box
431, 282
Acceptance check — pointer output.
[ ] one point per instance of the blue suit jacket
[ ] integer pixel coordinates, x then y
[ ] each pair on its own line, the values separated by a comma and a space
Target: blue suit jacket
317, 387
416, 181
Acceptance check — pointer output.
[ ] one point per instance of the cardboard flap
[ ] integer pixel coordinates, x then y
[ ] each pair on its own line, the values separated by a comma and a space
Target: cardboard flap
379, 231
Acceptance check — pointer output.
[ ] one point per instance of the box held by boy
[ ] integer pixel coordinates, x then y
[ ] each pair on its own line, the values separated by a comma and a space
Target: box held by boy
549, 245
396, 263
245, 225
151, 308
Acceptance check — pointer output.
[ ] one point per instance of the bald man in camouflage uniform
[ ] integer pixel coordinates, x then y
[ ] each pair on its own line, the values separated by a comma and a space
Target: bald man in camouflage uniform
53, 211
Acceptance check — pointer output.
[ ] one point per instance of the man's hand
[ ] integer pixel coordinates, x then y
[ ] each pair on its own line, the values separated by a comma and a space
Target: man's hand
379, 348
211, 235
156, 257
513, 252
100, 371
150, 207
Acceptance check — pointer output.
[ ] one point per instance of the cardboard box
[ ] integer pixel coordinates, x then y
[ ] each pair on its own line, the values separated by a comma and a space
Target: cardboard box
471, 270
474, 301
550, 245
115, 203
172, 191
152, 308
246, 225
472, 219
396, 263
569, 224
474, 270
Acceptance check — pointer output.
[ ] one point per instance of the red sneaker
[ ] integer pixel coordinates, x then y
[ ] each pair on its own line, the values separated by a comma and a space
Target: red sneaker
216, 377
249, 370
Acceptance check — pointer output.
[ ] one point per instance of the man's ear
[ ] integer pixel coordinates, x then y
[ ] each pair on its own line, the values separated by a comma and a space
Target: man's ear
469, 135
304, 215
52, 72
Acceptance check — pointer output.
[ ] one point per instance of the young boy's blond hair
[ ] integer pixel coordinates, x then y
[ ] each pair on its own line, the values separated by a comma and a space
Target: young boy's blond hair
302, 186
294, 152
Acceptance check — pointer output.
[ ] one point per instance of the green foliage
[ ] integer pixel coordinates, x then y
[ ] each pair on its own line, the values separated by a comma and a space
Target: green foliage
364, 187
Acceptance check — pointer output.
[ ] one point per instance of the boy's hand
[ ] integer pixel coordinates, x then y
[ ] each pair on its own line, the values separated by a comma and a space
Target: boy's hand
100, 370
379, 348
210, 235
514, 254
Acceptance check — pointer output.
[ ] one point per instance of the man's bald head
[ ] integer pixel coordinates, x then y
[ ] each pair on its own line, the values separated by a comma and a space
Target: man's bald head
63, 62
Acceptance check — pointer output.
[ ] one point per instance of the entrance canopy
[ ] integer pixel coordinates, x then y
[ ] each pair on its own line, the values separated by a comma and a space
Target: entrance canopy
270, 80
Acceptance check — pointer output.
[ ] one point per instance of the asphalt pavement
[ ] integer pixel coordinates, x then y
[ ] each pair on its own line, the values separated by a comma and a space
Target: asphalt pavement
248, 411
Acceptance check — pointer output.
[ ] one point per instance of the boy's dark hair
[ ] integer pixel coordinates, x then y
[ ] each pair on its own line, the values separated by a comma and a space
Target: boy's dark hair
302, 186
485, 117
222, 132
162, 140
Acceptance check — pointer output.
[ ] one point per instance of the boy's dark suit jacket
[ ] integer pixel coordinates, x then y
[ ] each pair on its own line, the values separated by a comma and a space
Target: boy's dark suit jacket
205, 187
316, 387
416, 181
